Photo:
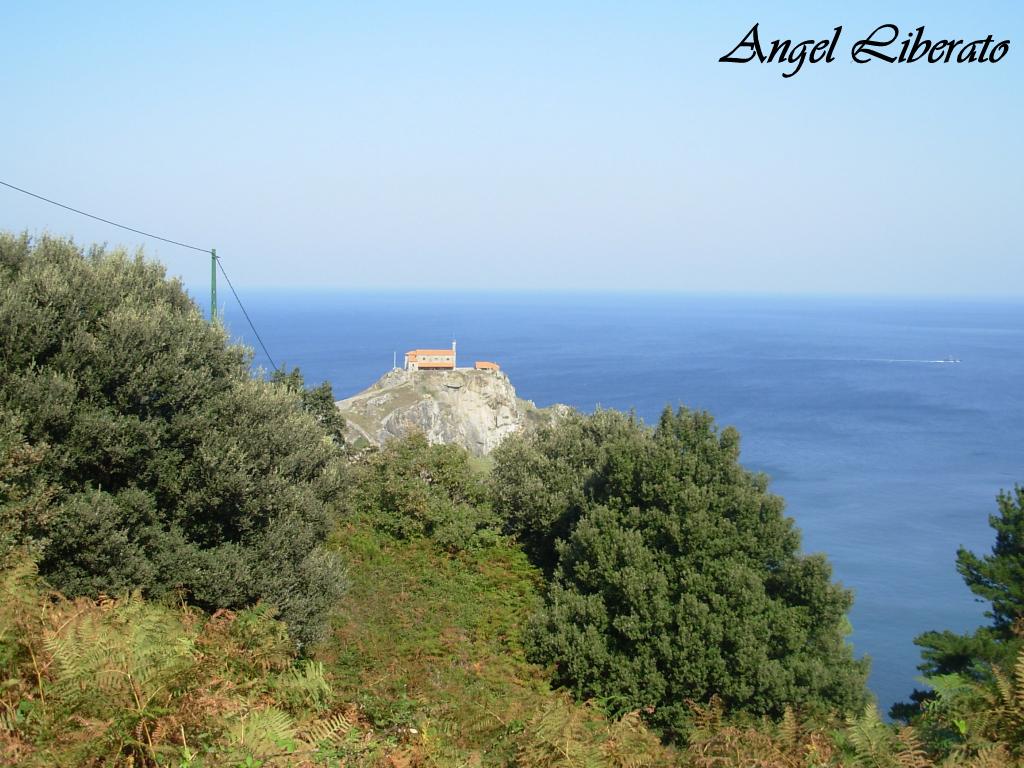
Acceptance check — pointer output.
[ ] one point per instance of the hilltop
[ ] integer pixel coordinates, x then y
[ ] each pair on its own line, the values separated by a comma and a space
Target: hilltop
475, 409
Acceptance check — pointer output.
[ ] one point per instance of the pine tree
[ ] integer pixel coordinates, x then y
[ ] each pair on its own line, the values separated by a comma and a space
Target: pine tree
997, 578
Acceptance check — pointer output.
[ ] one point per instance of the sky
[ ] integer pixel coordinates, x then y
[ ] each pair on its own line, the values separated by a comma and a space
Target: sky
532, 145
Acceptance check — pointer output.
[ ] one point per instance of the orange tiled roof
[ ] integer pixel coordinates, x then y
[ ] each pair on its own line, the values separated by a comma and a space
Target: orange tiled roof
417, 352
486, 365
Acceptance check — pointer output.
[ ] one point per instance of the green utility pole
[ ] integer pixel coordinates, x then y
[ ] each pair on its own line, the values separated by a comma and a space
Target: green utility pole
213, 285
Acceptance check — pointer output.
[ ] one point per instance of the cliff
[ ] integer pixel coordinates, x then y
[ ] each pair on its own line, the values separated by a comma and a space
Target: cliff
474, 409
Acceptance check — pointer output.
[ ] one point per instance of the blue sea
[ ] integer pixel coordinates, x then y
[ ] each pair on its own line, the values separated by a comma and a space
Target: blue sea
888, 459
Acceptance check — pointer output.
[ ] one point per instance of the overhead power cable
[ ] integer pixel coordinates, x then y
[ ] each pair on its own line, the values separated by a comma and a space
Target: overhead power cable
242, 307
210, 251
105, 221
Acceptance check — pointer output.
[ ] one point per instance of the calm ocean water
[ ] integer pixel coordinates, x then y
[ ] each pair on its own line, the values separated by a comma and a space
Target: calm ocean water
887, 459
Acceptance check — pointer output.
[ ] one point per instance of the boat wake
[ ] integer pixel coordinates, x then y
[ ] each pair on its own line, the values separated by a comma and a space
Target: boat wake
945, 361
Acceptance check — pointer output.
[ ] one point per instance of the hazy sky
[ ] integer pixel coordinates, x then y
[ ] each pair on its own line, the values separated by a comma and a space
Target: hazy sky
565, 145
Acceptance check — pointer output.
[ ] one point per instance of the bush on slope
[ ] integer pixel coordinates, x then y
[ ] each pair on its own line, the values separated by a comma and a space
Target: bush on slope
171, 468
676, 576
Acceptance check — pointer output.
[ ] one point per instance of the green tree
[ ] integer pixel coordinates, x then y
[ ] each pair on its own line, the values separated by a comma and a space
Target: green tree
999, 577
996, 578
541, 486
25, 509
317, 401
173, 467
679, 578
410, 488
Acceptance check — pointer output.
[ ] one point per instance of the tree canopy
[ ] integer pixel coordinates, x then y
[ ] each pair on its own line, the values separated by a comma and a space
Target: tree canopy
999, 576
317, 401
169, 466
996, 578
410, 488
676, 576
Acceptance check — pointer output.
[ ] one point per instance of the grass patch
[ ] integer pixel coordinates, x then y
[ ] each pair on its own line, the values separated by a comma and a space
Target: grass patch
429, 645
429, 641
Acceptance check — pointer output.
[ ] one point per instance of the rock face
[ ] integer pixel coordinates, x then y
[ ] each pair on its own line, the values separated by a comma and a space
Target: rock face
472, 408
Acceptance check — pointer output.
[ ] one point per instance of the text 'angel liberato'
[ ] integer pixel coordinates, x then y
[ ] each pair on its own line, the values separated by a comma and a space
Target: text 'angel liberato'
883, 44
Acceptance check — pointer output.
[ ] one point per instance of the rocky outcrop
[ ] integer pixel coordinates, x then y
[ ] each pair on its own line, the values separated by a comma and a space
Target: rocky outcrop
473, 408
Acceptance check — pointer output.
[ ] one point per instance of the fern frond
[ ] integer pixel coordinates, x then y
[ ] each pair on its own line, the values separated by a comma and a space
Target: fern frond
911, 753
949, 689
262, 731
789, 728
993, 756
304, 686
126, 655
707, 718
1018, 674
629, 744
871, 739
559, 736
1004, 686
330, 730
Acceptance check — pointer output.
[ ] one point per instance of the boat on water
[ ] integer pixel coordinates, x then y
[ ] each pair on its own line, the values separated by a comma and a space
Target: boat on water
949, 359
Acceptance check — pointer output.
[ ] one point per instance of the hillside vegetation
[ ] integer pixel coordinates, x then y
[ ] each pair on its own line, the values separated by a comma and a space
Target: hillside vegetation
167, 466
196, 570
675, 573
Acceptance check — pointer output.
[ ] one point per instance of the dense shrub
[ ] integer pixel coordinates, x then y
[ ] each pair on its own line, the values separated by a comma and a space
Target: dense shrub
542, 486
317, 401
170, 466
678, 577
24, 497
411, 488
